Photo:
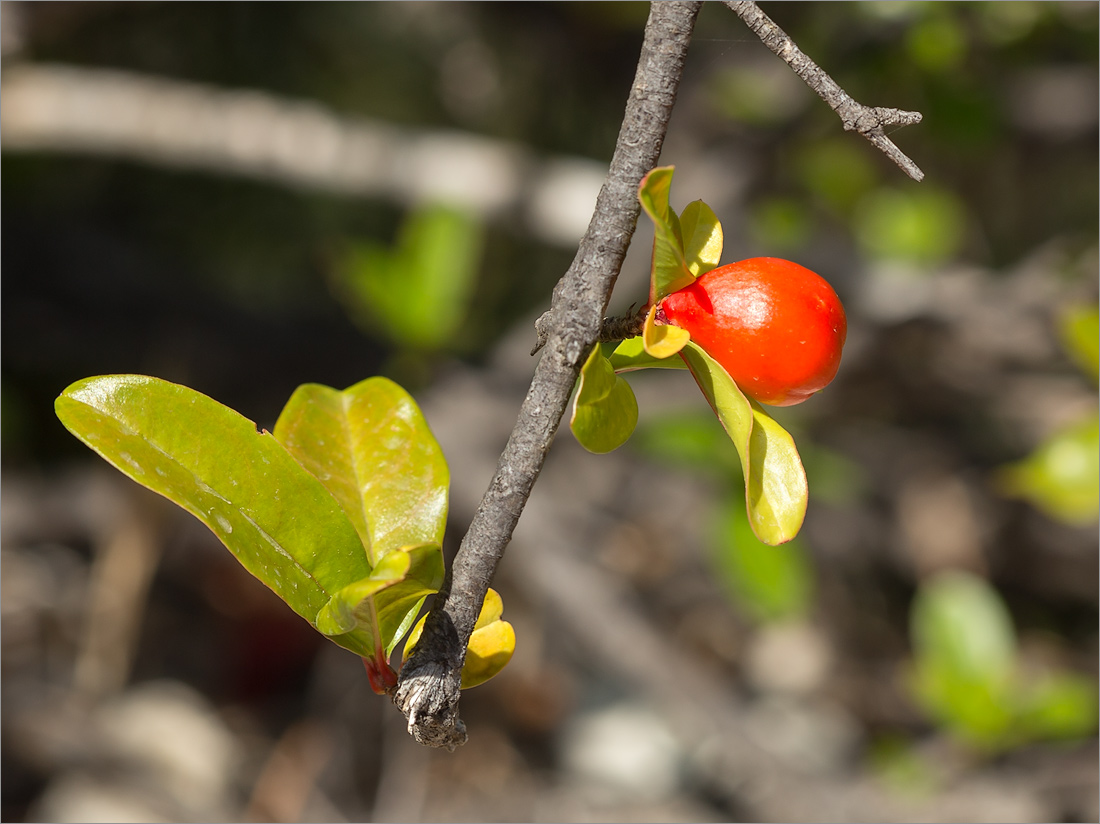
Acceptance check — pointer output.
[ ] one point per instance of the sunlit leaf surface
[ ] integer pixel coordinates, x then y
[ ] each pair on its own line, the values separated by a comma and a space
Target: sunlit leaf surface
776, 493
662, 341
373, 450
276, 518
630, 355
670, 271
702, 234
375, 612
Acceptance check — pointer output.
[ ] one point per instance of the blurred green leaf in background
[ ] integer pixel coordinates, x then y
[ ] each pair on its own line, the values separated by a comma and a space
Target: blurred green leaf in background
1079, 330
418, 292
924, 226
1062, 475
967, 673
767, 583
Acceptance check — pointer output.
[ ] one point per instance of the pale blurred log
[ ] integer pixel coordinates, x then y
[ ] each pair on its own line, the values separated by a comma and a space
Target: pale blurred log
55, 108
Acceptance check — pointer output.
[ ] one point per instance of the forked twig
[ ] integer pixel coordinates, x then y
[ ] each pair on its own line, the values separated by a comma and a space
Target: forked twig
869, 121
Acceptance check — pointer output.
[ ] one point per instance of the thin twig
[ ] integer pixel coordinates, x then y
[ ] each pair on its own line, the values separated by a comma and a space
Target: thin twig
622, 327
428, 689
869, 121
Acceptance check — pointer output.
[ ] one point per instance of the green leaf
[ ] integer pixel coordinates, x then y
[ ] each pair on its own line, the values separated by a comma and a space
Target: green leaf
605, 410
372, 449
419, 292
1062, 476
630, 355
375, 612
276, 518
669, 271
491, 644
776, 493
1079, 329
702, 235
770, 583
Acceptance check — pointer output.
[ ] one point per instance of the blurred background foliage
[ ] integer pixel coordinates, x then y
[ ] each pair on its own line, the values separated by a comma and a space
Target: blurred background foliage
939, 609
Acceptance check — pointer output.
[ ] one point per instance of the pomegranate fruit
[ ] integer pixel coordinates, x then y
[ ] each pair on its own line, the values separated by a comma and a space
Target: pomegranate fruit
776, 327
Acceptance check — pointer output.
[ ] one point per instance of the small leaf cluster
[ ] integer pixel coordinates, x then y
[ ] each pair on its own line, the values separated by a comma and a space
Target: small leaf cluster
605, 411
340, 510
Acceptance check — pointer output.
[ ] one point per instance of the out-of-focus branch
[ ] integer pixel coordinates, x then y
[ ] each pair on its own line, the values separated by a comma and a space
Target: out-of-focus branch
428, 689
56, 108
869, 121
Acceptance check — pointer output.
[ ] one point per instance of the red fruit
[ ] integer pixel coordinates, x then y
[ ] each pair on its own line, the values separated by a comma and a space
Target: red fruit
776, 327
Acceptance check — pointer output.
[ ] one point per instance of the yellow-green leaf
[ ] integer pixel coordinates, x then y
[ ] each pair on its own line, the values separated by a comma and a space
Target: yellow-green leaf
669, 270
605, 410
491, 644
702, 235
375, 612
372, 449
490, 650
662, 341
776, 493
630, 355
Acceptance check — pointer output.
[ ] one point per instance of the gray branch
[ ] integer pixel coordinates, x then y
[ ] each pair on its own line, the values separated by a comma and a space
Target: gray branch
428, 689
869, 121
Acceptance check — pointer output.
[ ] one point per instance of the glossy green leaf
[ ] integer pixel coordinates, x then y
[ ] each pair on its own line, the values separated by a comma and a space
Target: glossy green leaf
630, 355
769, 583
419, 291
276, 518
491, 644
372, 449
605, 410
776, 493
669, 270
777, 489
702, 235
376, 611
1079, 328
661, 340
1062, 476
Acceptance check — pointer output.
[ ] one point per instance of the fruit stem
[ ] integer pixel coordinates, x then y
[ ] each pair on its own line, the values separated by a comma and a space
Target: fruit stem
624, 326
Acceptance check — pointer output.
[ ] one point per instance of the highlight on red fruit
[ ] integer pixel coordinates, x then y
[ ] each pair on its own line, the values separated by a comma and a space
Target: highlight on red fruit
776, 327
